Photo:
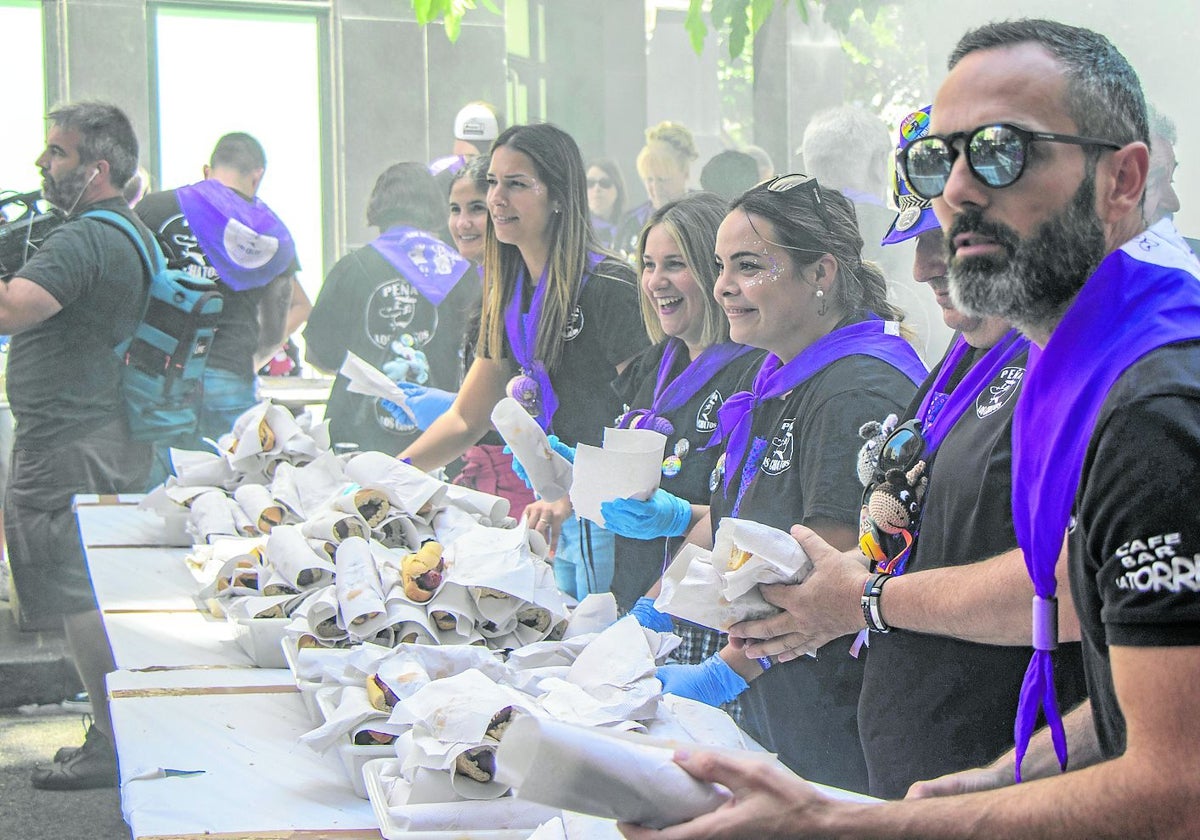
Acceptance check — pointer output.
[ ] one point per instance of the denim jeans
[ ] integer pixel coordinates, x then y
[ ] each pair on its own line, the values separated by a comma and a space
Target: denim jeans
583, 562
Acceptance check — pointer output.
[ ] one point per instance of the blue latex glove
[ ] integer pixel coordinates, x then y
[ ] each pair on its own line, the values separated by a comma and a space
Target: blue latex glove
555, 444
662, 515
426, 404
712, 681
651, 618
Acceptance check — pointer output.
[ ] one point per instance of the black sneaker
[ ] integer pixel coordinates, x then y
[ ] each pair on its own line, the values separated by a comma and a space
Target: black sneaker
94, 765
64, 753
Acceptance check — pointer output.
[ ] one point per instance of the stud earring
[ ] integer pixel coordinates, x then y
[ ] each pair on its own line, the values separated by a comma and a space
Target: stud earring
821, 309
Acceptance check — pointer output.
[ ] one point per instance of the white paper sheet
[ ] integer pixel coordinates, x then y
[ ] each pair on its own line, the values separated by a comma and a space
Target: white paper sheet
629, 465
549, 472
368, 380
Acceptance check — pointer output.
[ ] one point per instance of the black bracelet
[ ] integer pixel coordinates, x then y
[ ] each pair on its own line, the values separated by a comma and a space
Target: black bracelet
872, 589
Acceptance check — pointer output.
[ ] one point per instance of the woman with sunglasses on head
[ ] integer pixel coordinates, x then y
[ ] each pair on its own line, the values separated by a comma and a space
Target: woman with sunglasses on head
559, 323
792, 282
606, 199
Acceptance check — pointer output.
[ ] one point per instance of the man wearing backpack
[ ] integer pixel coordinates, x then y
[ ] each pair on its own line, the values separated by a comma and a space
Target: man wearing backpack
219, 229
67, 308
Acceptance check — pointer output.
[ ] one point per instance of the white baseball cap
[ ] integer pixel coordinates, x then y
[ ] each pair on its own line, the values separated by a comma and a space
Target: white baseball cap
476, 122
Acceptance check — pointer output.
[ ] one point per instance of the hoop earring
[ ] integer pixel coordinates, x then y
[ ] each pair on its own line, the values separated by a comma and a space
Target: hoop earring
823, 307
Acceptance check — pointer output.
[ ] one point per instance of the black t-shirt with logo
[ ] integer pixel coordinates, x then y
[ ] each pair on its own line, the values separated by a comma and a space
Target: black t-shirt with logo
1135, 548
640, 562
806, 710
604, 330
932, 705
363, 307
237, 333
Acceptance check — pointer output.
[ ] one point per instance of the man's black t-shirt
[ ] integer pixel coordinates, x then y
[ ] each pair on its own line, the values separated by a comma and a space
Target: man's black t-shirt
932, 705
1135, 541
364, 306
63, 374
806, 710
640, 562
236, 338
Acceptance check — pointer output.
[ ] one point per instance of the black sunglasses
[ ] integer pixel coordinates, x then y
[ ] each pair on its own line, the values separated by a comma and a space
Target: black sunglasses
602, 183
783, 183
996, 155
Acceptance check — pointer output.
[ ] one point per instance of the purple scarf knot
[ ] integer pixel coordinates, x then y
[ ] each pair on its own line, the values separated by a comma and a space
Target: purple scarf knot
872, 337
242, 238
673, 393
532, 387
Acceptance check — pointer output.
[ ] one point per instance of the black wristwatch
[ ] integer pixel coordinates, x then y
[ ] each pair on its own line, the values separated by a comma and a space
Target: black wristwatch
872, 589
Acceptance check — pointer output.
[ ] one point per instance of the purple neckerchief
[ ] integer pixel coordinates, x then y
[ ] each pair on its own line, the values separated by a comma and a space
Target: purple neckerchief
1141, 297
670, 394
425, 261
866, 338
247, 244
522, 330
939, 416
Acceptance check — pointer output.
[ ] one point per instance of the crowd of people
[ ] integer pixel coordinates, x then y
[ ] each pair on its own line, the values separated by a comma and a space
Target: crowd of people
1050, 445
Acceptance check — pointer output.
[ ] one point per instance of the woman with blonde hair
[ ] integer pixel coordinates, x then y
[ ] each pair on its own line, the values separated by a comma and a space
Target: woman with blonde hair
560, 321
664, 165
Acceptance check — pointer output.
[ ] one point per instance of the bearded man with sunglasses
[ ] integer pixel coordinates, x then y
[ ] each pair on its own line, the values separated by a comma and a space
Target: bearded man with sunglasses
1045, 228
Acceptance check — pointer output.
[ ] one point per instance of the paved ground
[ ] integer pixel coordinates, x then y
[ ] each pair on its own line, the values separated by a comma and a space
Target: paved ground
28, 814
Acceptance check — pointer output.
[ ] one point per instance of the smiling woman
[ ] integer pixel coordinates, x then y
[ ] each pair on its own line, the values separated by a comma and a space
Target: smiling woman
559, 322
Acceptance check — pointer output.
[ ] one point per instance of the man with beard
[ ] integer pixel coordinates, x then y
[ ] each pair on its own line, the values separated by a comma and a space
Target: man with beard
1036, 165
67, 308
944, 670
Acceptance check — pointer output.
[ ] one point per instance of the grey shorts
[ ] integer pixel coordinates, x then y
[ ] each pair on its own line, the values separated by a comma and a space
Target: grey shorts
45, 552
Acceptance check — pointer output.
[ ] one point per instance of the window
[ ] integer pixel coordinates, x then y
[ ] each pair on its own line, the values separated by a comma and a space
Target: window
24, 98
220, 70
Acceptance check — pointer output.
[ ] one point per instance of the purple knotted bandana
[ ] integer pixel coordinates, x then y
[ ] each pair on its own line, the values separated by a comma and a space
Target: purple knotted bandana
866, 338
1142, 297
428, 263
242, 238
670, 394
521, 328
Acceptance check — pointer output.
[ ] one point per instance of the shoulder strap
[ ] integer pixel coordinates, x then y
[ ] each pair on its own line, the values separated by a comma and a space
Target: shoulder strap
123, 224
153, 262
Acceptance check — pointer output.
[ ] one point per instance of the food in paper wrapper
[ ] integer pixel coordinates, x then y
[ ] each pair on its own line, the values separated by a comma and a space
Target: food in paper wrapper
422, 572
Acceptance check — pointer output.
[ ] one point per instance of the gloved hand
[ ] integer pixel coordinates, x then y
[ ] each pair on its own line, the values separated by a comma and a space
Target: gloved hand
651, 618
426, 404
557, 445
712, 681
662, 515
410, 364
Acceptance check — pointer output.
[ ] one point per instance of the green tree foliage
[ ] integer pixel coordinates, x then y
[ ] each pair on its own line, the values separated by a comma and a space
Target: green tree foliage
450, 12
741, 19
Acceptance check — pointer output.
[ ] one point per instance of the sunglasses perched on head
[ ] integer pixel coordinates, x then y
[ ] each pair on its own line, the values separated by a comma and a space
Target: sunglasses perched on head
783, 183
996, 155
602, 183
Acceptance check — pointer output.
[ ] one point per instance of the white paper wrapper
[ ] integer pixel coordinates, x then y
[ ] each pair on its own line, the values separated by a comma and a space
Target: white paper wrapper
359, 592
594, 613
691, 590
406, 487
452, 612
200, 467
321, 617
335, 526
775, 556
369, 381
258, 505
352, 712
290, 555
306, 489
262, 606
492, 508
214, 515
628, 466
549, 472
600, 773
401, 530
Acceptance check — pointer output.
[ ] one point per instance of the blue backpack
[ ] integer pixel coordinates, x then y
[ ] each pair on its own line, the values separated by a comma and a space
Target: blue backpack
162, 363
